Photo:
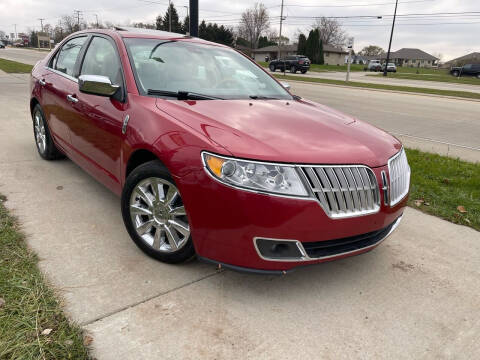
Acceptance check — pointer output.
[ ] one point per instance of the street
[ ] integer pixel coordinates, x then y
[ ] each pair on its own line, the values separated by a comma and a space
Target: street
415, 296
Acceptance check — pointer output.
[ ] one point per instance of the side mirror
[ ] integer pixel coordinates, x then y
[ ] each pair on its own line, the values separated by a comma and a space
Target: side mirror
286, 85
97, 85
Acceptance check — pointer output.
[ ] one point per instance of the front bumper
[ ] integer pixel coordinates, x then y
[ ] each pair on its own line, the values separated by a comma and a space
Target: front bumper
225, 223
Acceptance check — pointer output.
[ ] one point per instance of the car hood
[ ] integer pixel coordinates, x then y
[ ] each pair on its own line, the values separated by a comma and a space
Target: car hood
300, 132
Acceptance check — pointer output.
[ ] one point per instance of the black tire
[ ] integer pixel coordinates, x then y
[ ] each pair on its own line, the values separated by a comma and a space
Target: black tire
50, 152
478, 76
272, 68
293, 69
455, 73
304, 71
148, 170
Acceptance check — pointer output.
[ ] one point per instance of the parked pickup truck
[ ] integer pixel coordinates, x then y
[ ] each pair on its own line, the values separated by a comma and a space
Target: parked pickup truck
466, 70
293, 63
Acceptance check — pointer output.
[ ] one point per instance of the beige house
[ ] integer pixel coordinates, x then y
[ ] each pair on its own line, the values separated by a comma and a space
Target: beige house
411, 58
331, 55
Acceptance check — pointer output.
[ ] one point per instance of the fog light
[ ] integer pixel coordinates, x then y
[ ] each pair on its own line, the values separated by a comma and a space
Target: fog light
272, 249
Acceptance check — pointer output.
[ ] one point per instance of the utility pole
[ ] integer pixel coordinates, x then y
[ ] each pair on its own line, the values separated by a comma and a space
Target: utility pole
193, 18
96, 17
77, 14
280, 38
385, 71
41, 23
15, 31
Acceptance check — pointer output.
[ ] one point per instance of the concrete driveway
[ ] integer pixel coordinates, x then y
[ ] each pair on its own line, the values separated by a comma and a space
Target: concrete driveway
416, 296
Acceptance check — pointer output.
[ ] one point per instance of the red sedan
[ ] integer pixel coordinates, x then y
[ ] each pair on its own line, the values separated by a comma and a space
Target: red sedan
212, 156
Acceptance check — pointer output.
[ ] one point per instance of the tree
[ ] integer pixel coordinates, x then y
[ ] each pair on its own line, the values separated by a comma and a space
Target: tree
163, 23
213, 32
371, 50
314, 47
331, 32
263, 41
302, 44
253, 23
186, 25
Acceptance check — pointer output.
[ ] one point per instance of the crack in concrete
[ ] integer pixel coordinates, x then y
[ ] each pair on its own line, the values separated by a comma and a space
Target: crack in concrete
107, 315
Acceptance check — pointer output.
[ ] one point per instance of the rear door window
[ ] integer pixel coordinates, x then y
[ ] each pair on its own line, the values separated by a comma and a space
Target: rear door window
66, 58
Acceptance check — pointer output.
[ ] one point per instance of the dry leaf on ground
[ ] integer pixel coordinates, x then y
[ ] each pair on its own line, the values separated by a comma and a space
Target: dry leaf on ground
461, 209
46, 332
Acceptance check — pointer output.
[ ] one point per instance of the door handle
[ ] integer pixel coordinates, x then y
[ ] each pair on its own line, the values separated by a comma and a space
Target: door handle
42, 82
72, 99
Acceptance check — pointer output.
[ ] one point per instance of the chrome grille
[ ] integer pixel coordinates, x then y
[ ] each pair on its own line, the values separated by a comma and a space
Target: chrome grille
399, 177
344, 191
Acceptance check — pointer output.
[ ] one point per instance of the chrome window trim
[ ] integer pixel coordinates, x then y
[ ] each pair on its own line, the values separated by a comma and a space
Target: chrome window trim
305, 256
62, 74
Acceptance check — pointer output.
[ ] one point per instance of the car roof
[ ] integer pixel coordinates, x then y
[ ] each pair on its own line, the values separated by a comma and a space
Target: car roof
132, 32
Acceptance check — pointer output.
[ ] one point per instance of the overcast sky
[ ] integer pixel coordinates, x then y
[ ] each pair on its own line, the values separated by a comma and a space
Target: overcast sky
450, 35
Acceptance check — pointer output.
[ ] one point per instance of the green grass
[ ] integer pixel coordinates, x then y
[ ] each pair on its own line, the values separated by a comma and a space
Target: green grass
14, 67
410, 89
443, 184
30, 306
440, 76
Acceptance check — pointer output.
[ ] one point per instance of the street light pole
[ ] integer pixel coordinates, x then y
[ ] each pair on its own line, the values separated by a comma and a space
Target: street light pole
391, 36
186, 7
280, 38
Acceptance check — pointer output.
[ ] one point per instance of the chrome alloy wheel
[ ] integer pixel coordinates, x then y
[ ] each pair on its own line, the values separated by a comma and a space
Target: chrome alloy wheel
40, 136
158, 215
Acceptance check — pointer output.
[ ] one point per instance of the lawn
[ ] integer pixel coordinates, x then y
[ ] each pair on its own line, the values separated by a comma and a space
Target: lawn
410, 89
14, 67
32, 324
442, 76
445, 187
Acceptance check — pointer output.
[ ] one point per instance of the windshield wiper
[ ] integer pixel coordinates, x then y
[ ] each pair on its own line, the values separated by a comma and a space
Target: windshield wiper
260, 97
182, 95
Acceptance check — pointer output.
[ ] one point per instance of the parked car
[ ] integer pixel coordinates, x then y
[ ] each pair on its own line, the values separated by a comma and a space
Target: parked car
390, 68
466, 70
374, 65
293, 63
211, 162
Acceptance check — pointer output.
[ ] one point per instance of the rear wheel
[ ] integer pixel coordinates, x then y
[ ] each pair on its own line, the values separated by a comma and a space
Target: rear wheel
304, 71
455, 73
43, 139
293, 69
478, 76
272, 68
154, 214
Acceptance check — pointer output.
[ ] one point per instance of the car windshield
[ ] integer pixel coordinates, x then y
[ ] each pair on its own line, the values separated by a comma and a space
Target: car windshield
181, 66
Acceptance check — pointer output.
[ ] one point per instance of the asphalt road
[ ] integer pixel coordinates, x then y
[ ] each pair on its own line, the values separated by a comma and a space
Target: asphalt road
438, 124
415, 296
22, 55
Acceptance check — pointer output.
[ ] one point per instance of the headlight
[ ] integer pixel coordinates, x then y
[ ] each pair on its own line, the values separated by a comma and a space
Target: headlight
258, 176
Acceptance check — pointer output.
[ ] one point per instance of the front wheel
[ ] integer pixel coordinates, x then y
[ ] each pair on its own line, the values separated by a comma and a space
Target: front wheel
455, 73
304, 71
272, 68
154, 214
